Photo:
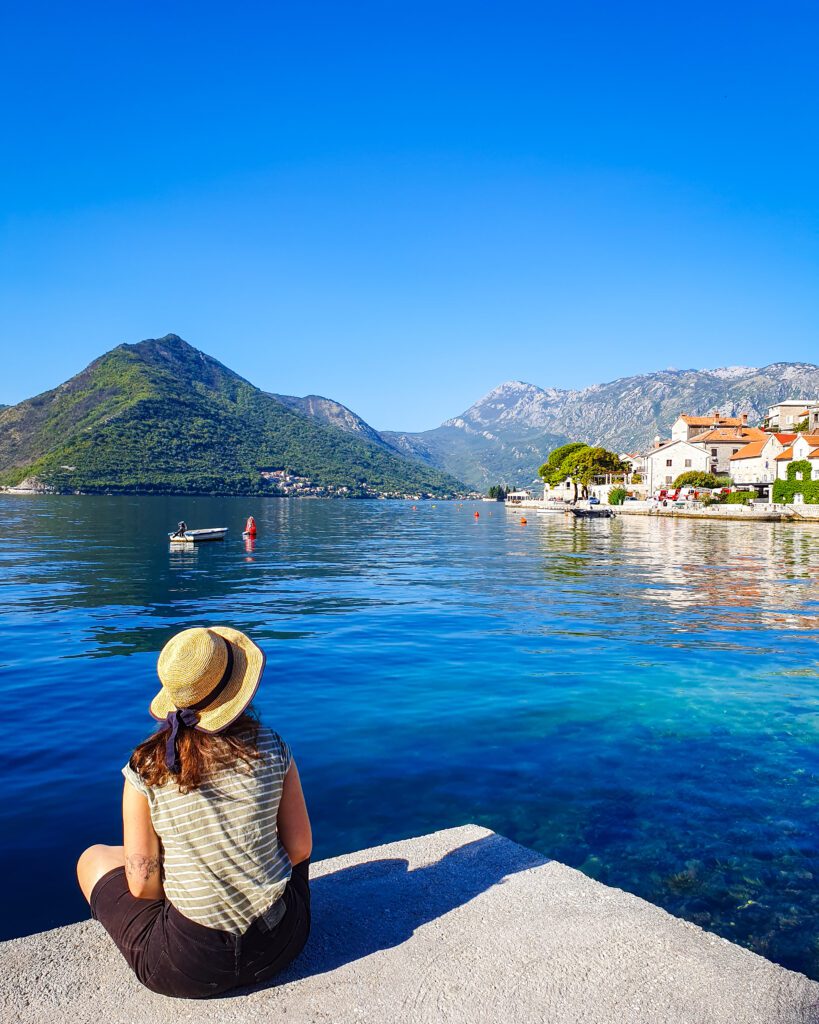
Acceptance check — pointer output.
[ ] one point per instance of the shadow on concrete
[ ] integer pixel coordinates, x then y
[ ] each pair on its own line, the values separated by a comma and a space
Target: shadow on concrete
377, 905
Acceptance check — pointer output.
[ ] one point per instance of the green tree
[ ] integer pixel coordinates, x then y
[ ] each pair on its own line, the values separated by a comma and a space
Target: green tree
588, 463
556, 469
579, 463
558, 457
696, 478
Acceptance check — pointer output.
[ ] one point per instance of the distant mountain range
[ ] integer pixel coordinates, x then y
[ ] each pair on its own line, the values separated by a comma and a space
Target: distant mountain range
505, 436
162, 417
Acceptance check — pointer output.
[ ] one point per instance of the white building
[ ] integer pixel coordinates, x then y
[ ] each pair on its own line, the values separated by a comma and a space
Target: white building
636, 463
786, 415
516, 497
806, 446
755, 464
667, 461
687, 427
722, 442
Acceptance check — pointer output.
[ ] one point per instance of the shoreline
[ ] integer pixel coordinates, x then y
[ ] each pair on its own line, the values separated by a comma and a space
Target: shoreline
716, 513
30, 493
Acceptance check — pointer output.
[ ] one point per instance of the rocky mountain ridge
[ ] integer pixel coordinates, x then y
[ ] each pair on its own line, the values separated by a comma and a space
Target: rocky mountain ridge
508, 433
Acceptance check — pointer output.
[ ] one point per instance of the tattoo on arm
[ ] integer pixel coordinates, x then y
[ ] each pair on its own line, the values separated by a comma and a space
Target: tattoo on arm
139, 866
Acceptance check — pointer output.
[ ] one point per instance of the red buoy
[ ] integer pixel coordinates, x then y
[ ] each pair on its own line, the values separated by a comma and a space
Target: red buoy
477, 515
250, 527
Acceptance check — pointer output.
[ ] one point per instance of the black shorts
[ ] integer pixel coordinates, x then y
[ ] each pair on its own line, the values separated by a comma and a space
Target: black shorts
175, 956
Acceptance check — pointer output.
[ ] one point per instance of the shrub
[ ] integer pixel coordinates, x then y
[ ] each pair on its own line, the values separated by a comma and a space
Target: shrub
617, 495
695, 478
737, 498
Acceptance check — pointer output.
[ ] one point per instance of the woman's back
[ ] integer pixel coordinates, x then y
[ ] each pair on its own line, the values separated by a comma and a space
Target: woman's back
224, 862
210, 889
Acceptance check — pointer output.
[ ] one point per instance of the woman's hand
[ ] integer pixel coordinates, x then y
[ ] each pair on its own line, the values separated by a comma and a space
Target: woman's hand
143, 857
293, 823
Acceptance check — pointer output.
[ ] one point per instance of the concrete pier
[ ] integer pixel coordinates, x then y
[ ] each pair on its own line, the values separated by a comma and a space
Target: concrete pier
459, 926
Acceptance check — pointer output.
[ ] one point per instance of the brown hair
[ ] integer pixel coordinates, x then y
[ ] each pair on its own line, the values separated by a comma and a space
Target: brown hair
199, 753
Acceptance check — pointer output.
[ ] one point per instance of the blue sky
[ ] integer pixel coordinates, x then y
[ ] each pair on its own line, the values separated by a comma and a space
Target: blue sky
402, 205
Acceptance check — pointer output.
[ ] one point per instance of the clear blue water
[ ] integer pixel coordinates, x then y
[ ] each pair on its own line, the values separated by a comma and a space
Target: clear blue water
636, 698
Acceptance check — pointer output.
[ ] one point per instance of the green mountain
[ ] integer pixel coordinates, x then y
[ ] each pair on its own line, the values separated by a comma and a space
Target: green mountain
162, 417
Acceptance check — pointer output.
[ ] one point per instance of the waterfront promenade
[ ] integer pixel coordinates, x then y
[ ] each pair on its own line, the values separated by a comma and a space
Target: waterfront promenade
713, 513
458, 927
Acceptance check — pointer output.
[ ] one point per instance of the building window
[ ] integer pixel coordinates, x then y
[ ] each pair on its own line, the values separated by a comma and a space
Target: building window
713, 453
669, 480
735, 451
688, 463
669, 462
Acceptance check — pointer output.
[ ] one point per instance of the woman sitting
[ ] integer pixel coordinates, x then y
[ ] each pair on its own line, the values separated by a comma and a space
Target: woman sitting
210, 889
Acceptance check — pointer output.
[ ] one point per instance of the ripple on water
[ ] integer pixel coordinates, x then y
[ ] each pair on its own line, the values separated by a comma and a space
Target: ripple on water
636, 698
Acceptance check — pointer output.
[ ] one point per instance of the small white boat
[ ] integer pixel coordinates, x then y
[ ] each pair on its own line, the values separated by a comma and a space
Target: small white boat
548, 510
195, 536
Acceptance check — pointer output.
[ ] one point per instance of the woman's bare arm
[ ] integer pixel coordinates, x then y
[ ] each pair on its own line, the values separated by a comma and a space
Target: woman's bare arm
143, 856
293, 822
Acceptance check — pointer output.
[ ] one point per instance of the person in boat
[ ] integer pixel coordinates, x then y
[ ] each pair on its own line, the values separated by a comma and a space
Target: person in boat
181, 528
210, 887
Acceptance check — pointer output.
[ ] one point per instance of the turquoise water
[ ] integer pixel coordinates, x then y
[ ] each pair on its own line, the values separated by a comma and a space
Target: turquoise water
637, 698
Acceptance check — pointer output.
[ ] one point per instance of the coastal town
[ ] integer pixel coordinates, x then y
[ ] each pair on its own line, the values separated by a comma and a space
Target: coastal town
752, 457
708, 460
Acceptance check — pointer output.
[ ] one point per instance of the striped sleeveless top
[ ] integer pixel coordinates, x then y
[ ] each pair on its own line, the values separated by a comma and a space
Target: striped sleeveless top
223, 863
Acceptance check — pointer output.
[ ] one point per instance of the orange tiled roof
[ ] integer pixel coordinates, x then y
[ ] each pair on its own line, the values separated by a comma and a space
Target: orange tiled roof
813, 454
785, 438
745, 434
750, 451
785, 456
712, 421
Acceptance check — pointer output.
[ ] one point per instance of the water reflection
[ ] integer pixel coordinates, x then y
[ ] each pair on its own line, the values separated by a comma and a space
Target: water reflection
635, 697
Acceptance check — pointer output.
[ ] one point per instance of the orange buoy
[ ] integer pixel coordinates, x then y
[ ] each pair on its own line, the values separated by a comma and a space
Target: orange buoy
477, 515
522, 521
250, 527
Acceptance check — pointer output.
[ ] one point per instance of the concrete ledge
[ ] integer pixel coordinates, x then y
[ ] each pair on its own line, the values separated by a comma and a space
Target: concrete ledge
458, 926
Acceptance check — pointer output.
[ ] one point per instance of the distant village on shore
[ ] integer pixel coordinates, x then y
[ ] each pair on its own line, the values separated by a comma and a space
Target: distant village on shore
776, 462
753, 457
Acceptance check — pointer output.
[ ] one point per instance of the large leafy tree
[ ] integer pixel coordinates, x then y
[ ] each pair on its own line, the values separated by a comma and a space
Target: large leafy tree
580, 463
557, 466
551, 472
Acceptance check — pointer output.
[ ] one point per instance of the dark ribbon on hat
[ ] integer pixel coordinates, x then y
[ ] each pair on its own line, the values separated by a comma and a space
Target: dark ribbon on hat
190, 716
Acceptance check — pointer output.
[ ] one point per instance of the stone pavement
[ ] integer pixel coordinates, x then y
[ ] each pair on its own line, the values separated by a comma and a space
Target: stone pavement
459, 926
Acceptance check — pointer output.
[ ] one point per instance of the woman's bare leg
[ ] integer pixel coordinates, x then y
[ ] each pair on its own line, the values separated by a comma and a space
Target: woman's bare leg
95, 862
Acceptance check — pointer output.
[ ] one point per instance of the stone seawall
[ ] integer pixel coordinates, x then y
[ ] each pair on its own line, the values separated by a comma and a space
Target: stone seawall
714, 513
459, 926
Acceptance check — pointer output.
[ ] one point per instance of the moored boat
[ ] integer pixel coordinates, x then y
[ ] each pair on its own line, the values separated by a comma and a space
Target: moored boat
593, 513
195, 536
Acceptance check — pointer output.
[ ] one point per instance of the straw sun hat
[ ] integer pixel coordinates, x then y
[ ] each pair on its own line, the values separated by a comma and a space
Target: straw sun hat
213, 672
